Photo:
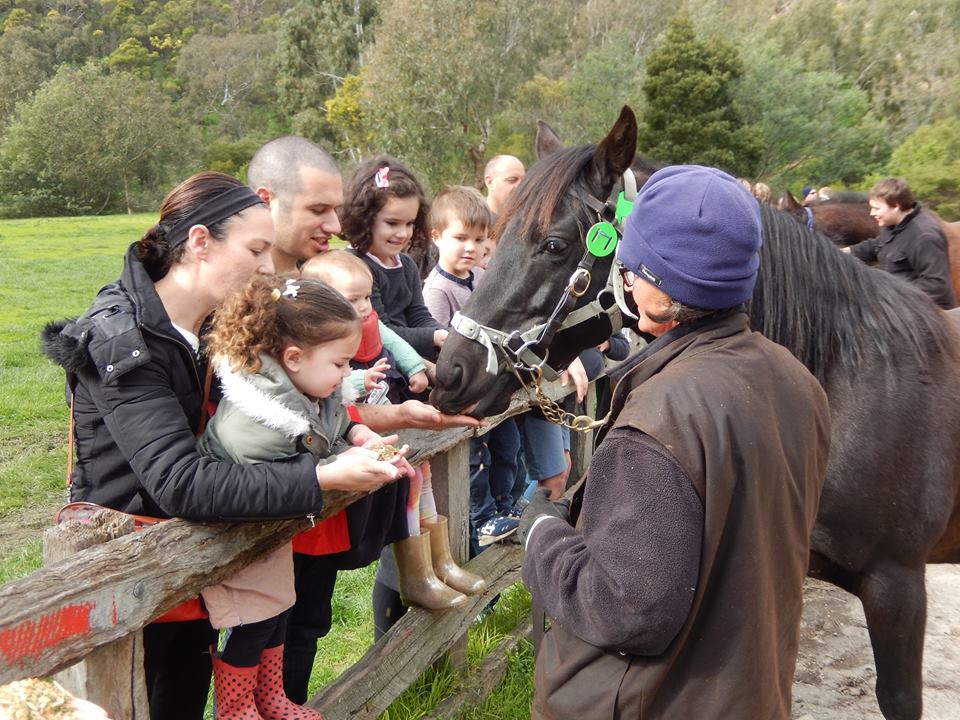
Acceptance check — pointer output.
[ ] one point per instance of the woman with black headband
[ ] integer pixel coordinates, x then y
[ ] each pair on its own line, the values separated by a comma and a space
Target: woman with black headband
136, 384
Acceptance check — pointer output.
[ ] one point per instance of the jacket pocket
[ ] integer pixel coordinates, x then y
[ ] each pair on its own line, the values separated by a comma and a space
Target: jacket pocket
574, 680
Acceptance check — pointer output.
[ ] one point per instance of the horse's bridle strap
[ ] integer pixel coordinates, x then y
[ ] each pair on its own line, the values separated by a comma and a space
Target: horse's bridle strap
519, 348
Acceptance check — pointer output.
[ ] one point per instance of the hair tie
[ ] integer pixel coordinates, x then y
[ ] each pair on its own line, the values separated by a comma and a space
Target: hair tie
275, 294
382, 177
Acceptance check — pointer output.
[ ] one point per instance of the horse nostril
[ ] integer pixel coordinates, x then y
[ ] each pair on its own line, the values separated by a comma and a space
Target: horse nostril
452, 379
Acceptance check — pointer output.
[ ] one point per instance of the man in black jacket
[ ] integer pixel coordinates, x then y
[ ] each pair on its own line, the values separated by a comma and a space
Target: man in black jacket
911, 243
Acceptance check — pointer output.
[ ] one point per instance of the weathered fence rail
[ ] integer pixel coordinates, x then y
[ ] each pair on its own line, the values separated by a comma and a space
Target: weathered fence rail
107, 592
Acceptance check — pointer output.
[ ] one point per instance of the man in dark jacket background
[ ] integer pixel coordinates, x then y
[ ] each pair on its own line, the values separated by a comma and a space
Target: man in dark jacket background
678, 590
911, 243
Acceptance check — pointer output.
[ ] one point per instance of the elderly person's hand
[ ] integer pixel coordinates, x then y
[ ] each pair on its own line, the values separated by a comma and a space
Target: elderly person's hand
541, 506
576, 373
415, 414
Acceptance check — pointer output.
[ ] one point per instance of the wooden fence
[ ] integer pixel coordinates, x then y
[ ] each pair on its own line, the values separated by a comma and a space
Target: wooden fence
102, 583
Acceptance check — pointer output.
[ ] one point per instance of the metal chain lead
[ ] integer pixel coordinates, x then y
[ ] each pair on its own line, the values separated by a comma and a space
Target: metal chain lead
552, 411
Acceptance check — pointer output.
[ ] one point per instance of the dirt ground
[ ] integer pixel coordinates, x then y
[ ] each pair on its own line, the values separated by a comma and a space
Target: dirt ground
835, 671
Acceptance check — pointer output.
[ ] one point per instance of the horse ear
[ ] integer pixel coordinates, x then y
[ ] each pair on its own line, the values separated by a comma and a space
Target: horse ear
615, 153
548, 142
788, 202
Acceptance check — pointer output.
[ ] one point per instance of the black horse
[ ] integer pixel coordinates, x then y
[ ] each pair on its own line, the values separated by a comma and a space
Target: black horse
888, 359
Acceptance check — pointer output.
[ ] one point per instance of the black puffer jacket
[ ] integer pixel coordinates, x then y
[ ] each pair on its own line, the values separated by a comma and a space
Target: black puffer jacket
137, 396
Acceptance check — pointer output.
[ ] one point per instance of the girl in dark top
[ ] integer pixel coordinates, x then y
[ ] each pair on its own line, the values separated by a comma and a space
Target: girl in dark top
384, 218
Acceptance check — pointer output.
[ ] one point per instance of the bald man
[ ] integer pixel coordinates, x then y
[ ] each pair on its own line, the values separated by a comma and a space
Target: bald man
300, 183
502, 174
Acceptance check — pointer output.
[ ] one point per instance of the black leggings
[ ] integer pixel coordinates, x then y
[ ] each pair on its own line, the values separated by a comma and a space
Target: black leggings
247, 642
387, 609
176, 663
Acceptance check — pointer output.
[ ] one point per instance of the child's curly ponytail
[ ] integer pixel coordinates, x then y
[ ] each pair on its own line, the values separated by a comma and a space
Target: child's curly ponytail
273, 312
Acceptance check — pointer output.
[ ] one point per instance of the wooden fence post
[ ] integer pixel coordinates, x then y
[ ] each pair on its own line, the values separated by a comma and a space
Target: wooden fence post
451, 490
112, 675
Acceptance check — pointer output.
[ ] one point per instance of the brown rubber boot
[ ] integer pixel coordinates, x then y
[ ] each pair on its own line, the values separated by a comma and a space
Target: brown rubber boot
233, 688
419, 585
272, 701
443, 563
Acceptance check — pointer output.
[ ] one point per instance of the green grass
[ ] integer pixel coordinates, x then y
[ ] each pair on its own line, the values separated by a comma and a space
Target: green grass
51, 269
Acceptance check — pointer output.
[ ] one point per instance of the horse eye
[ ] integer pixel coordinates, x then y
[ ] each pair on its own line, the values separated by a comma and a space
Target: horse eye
554, 247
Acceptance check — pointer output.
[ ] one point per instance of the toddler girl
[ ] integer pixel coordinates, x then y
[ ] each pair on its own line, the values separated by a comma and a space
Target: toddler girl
281, 348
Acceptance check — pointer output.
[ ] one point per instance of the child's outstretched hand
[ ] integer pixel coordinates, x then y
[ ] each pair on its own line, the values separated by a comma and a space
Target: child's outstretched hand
431, 371
373, 375
419, 382
438, 337
366, 440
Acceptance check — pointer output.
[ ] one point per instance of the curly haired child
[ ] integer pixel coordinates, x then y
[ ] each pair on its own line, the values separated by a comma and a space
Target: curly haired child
281, 348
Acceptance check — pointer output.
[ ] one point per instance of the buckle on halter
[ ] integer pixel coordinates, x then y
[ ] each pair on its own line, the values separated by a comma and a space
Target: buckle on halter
579, 282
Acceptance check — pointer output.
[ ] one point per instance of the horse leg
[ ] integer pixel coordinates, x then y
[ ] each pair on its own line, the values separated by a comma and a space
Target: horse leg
895, 605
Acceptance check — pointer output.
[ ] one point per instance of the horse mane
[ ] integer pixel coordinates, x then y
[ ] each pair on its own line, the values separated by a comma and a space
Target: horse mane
831, 310
540, 193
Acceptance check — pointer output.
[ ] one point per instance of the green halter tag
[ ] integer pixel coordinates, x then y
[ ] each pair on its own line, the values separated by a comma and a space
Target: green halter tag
624, 207
602, 239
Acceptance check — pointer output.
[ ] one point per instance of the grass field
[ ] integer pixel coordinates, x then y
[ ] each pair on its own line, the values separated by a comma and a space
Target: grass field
50, 269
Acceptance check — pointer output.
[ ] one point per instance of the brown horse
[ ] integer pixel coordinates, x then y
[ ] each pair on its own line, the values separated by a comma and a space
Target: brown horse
887, 357
845, 219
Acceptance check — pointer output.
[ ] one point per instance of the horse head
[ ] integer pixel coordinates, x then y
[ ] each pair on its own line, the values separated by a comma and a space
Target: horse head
514, 326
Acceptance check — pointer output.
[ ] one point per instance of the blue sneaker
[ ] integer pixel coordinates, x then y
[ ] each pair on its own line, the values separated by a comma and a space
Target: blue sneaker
496, 529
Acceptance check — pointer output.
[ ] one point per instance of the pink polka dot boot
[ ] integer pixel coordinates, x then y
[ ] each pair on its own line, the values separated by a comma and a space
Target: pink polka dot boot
272, 701
233, 687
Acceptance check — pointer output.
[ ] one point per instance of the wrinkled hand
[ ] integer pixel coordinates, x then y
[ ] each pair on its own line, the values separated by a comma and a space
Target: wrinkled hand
373, 375
575, 372
540, 506
418, 382
415, 414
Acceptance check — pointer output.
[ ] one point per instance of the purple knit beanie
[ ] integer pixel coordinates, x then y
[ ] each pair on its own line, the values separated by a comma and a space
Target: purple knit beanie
695, 233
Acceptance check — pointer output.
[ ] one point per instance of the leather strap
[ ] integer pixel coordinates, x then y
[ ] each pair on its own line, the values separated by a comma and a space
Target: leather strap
70, 441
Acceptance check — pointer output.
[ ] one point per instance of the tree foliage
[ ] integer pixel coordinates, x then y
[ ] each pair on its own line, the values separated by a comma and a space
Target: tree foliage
89, 142
691, 114
320, 45
824, 134
930, 162
816, 90
230, 80
434, 100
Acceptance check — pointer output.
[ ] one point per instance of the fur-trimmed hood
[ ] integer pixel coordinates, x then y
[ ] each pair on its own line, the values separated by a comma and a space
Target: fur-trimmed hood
267, 396
262, 416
